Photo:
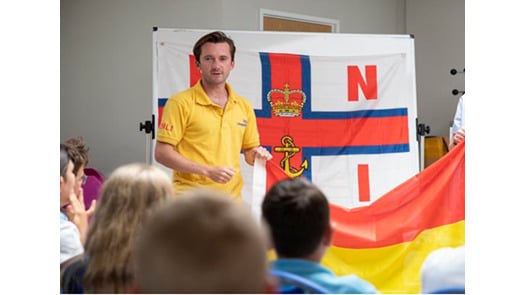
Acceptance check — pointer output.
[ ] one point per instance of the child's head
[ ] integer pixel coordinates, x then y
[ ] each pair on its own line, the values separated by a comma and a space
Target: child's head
298, 215
130, 194
202, 242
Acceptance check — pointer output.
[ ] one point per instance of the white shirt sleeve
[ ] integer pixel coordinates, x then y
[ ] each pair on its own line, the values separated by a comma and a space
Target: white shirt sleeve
459, 118
70, 244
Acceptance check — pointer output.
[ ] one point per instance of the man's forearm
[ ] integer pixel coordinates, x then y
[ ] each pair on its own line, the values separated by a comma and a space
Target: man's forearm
169, 157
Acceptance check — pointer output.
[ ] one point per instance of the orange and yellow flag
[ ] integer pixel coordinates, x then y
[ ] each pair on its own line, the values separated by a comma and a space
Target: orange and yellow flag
387, 241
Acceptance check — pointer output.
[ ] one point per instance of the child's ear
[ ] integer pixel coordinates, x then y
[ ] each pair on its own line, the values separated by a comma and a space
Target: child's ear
328, 235
267, 235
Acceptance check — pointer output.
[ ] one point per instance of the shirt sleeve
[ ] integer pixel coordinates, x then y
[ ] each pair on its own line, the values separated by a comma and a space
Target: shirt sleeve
459, 117
251, 136
70, 244
173, 121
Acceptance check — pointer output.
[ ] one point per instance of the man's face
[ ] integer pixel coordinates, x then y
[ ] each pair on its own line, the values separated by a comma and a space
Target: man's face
215, 63
79, 180
67, 184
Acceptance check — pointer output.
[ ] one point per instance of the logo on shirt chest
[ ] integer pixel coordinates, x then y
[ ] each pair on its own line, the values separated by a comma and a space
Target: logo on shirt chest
243, 123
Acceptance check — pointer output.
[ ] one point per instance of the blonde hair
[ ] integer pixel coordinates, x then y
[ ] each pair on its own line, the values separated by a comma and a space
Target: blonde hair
127, 197
202, 242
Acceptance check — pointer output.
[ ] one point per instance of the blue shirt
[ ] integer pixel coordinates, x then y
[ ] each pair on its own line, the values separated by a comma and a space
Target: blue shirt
349, 284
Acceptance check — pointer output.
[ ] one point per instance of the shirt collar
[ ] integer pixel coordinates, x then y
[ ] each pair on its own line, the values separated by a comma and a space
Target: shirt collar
203, 98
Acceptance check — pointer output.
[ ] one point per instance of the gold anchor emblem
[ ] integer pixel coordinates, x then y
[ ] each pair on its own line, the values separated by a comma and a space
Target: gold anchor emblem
289, 149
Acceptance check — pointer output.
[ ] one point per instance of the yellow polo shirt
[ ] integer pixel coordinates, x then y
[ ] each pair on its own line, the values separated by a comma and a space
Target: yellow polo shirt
204, 133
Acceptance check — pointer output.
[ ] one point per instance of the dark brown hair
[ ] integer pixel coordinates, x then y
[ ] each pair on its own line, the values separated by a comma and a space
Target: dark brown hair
298, 213
68, 152
213, 37
80, 154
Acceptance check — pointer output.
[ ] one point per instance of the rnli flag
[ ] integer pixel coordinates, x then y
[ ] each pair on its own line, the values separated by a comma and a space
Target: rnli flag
338, 109
321, 121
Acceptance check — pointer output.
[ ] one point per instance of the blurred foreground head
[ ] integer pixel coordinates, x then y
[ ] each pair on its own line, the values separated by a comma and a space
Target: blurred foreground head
202, 242
298, 214
127, 197
444, 270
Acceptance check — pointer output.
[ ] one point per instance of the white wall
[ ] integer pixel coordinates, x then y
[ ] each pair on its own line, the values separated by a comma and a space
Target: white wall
106, 57
438, 27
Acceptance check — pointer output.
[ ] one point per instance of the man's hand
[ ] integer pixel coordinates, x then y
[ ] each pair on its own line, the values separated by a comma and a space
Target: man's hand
262, 153
256, 153
459, 136
76, 212
221, 174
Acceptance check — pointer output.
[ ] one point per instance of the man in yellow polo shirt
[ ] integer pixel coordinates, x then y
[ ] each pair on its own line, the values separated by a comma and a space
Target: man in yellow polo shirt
205, 127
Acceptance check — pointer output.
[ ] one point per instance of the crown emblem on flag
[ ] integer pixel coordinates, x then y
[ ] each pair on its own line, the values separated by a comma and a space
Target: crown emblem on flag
286, 103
